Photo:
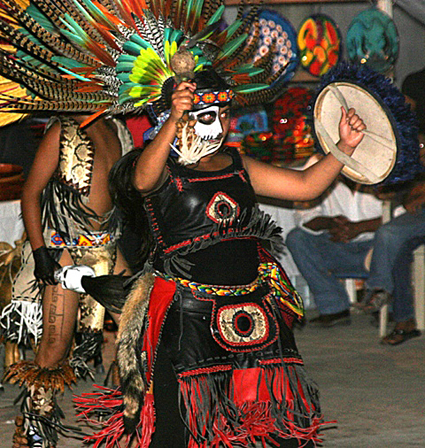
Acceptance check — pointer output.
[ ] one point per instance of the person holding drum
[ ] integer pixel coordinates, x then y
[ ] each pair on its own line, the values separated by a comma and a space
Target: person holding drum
221, 305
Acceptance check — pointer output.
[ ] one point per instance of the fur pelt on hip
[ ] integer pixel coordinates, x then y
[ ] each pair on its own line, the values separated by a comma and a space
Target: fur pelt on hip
131, 328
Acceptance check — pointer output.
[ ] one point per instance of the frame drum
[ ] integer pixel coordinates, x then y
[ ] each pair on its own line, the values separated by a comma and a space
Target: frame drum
375, 157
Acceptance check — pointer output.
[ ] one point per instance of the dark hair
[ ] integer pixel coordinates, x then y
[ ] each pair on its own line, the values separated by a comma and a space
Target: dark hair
129, 201
209, 79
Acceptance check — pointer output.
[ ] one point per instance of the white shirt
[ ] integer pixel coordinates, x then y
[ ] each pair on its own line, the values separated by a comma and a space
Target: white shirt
341, 200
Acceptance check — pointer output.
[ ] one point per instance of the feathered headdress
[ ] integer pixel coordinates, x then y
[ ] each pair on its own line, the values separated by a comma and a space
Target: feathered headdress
117, 56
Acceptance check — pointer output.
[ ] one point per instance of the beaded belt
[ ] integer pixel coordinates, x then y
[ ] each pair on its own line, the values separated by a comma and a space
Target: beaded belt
267, 273
219, 290
88, 240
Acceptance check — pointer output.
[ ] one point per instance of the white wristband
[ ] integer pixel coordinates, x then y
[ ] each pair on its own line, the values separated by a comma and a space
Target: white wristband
70, 277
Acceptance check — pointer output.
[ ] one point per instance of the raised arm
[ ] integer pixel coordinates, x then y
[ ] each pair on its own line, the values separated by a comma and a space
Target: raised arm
149, 173
282, 183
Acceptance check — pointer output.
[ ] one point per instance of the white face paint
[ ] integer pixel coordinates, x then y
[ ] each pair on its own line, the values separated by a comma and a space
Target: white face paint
208, 125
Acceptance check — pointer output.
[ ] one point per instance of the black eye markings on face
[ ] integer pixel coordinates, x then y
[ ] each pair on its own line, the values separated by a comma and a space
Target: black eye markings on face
207, 117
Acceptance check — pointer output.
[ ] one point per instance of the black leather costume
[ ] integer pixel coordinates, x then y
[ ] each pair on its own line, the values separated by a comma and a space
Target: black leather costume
206, 224
209, 230
220, 308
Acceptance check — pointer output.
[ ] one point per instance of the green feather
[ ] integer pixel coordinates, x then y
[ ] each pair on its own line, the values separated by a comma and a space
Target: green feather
232, 46
188, 9
196, 51
231, 29
142, 91
250, 70
72, 25
95, 12
145, 100
167, 33
39, 17
126, 87
176, 35
217, 15
248, 88
203, 61
198, 10
124, 77
124, 66
73, 38
88, 17
123, 98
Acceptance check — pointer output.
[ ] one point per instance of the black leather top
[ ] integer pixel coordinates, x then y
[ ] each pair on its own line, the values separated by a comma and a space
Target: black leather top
201, 218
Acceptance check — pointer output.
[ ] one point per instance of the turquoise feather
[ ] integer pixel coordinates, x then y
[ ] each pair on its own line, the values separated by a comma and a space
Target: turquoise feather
75, 75
95, 12
124, 66
132, 48
167, 33
88, 17
124, 77
40, 18
72, 37
139, 41
123, 98
188, 9
249, 88
250, 70
176, 36
127, 58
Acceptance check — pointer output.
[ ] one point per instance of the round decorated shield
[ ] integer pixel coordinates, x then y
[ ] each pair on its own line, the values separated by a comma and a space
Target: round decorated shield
273, 28
372, 39
319, 44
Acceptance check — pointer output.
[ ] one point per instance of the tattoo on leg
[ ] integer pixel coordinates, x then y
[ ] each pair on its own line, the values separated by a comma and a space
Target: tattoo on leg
55, 313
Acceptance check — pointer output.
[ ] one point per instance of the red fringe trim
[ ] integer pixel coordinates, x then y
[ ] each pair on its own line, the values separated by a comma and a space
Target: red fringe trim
252, 409
260, 404
110, 401
256, 426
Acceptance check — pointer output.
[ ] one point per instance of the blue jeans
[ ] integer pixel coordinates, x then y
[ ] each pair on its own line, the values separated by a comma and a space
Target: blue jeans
390, 267
323, 263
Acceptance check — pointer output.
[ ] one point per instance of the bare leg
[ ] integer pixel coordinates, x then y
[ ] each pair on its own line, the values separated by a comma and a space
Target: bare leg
60, 308
59, 316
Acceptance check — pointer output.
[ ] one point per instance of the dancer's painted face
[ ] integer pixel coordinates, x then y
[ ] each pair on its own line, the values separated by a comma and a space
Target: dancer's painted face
212, 123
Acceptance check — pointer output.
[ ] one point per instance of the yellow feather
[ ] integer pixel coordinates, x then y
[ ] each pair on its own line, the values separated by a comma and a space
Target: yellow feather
11, 89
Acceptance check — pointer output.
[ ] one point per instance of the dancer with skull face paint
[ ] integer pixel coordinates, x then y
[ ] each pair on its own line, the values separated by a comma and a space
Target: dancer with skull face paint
213, 310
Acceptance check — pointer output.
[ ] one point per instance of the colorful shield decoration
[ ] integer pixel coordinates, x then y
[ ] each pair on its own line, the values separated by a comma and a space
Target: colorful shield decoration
319, 44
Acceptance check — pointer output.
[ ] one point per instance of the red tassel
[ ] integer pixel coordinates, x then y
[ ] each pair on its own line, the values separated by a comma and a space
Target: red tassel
112, 433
